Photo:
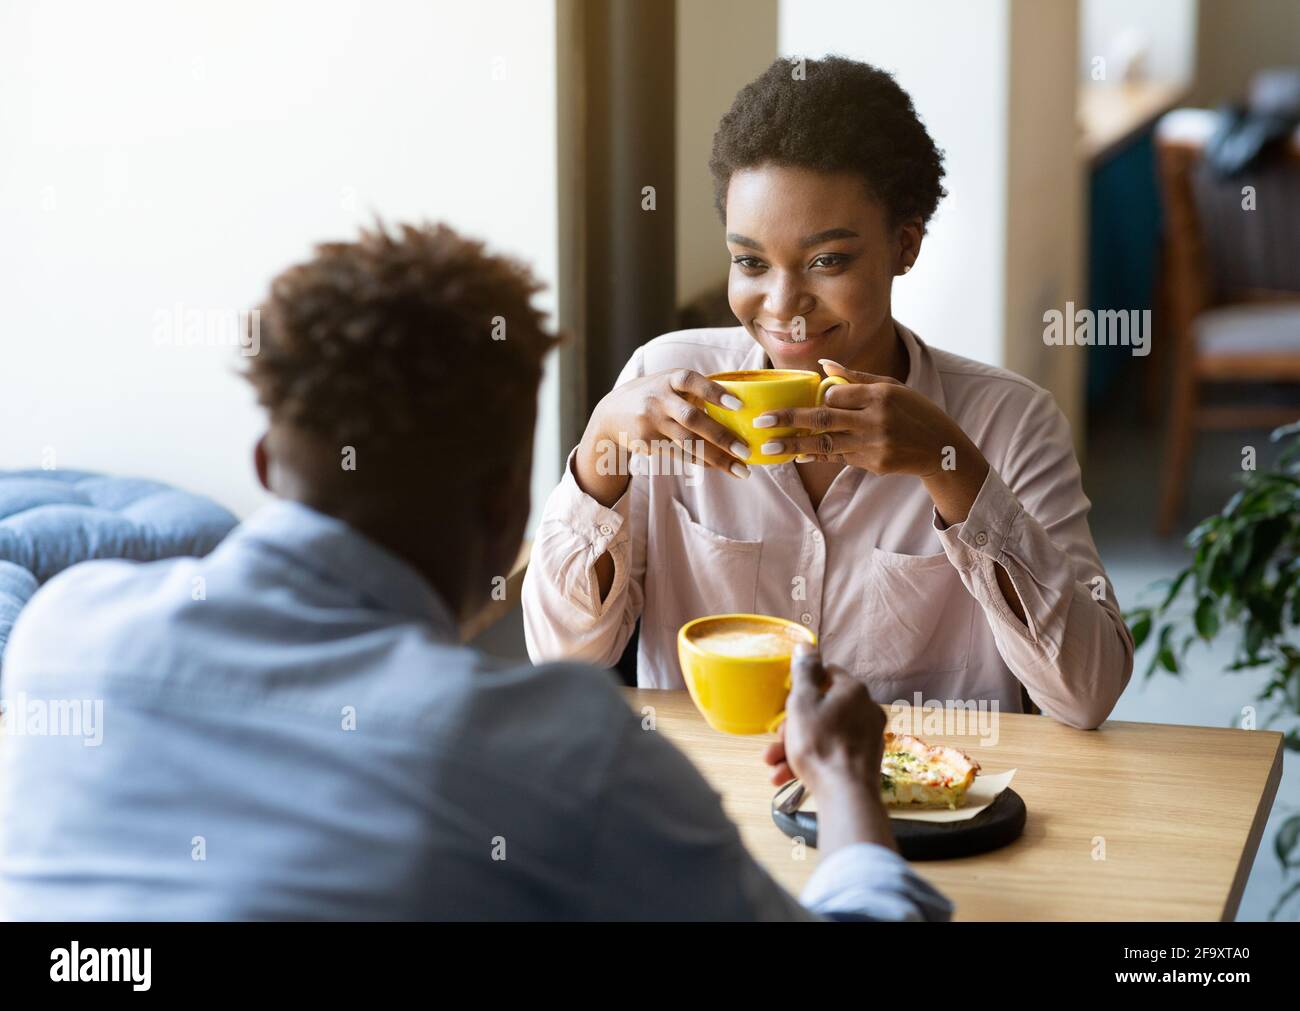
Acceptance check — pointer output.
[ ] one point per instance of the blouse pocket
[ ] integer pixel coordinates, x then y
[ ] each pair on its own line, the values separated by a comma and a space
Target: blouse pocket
917, 618
692, 571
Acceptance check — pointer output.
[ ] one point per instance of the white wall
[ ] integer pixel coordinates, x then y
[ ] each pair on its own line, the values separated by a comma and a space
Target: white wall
157, 153
1164, 29
950, 56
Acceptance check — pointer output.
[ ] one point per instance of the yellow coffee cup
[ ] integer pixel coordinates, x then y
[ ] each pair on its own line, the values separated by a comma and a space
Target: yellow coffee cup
763, 390
737, 668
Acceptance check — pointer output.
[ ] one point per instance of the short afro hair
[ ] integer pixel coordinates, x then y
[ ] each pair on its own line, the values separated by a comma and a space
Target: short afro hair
396, 338
832, 115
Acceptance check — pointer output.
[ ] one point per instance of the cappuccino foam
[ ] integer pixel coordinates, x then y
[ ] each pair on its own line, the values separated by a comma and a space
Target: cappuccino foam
750, 640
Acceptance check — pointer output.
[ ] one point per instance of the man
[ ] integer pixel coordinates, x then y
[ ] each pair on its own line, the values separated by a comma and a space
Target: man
291, 728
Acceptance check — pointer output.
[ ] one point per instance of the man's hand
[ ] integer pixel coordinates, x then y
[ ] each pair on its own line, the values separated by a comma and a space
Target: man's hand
832, 728
832, 739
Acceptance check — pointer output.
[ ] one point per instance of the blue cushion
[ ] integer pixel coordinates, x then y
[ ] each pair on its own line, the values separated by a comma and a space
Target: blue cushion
51, 520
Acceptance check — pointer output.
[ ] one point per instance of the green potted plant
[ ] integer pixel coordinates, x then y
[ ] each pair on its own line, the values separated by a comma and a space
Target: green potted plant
1244, 578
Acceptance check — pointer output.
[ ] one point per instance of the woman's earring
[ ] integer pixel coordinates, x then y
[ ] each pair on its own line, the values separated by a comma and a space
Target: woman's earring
906, 267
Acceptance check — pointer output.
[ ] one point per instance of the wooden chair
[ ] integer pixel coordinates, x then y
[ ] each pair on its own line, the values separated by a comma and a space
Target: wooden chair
1231, 288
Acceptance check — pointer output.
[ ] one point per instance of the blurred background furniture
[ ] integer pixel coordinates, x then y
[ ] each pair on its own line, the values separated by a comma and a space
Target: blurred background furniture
52, 519
1231, 286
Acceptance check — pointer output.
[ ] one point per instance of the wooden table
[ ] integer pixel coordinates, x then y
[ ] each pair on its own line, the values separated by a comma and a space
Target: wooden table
1179, 812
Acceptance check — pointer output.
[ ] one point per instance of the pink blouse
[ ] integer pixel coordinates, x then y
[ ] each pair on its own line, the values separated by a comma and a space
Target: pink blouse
895, 598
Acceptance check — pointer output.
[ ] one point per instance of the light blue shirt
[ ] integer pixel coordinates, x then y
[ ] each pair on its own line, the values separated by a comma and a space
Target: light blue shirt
289, 729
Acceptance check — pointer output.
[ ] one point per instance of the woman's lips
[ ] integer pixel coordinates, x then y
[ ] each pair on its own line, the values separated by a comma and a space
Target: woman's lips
788, 337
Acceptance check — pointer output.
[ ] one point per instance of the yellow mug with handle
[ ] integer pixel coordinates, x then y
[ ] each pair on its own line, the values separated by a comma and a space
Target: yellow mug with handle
737, 668
763, 390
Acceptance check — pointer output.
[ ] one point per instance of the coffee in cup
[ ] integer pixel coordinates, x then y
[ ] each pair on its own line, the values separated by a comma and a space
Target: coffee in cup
737, 668
740, 637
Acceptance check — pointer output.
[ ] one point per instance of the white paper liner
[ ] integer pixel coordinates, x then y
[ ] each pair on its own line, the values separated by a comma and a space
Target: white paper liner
983, 792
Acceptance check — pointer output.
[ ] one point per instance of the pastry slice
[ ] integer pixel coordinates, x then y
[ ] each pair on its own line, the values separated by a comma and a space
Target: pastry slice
914, 774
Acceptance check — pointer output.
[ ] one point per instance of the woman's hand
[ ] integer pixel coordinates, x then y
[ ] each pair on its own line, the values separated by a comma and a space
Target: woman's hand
658, 410
878, 424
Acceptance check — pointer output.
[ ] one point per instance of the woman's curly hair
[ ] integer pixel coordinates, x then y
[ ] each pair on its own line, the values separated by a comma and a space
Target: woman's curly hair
832, 115
399, 337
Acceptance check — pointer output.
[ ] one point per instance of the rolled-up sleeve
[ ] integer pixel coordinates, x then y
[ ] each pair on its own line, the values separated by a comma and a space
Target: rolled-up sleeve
1073, 653
870, 882
564, 615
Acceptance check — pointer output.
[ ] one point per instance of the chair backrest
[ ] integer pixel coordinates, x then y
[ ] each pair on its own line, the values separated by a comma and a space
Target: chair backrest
1252, 253
1232, 253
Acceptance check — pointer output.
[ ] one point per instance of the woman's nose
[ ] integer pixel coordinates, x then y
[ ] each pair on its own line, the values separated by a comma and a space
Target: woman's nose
787, 298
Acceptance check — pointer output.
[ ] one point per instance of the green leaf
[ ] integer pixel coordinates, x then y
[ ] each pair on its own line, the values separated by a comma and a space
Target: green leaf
1295, 887
1234, 503
1207, 618
1243, 551
1165, 652
1155, 655
1254, 639
1219, 567
1278, 434
1142, 628
1287, 842
1174, 587
1266, 540
1201, 531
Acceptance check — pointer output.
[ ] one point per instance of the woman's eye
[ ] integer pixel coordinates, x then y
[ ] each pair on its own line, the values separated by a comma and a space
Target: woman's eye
747, 262
829, 260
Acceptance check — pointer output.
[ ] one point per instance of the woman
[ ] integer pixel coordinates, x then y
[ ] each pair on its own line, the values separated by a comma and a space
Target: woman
933, 530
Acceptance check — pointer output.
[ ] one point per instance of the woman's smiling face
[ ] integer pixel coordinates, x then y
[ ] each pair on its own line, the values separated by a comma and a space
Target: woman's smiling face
812, 260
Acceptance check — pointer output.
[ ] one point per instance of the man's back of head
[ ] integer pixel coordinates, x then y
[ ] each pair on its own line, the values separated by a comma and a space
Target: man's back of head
400, 375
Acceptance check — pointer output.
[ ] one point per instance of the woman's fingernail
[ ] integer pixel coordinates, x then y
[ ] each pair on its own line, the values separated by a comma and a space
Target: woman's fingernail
829, 361
773, 448
730, 403
740, 470
803, 458
765, 421
740, 449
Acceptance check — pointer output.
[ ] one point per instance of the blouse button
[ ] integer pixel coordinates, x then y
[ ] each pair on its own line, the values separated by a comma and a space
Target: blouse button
606, 530
981, 538
806, 618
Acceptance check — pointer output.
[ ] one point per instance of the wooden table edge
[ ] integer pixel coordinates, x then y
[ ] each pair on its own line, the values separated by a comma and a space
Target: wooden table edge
1250, 848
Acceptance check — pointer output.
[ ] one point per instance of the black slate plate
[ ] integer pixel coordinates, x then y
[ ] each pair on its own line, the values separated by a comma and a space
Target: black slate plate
1000, 823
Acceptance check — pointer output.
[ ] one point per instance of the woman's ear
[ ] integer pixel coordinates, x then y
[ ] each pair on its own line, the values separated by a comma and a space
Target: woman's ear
910, 234
261, 463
